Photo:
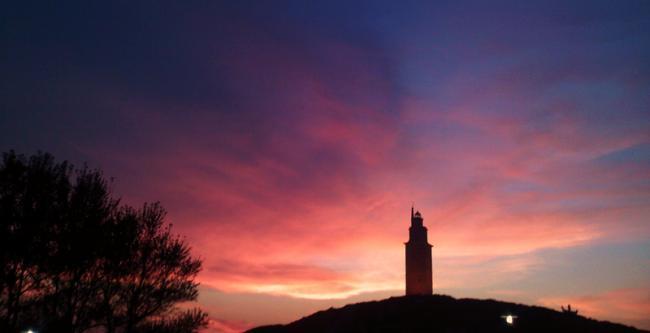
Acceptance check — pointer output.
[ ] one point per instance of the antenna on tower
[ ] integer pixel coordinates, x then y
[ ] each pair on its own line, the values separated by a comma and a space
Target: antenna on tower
412, 208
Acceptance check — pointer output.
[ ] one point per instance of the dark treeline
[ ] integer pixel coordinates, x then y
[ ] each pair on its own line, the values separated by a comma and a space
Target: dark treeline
76, 260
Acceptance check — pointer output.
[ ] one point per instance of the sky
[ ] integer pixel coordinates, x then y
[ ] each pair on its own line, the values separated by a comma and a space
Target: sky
289, 139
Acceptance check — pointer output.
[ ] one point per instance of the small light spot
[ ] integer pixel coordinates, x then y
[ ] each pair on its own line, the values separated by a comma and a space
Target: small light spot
510, 319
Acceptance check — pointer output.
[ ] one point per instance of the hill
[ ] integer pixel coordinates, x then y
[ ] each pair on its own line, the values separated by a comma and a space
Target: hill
439, 313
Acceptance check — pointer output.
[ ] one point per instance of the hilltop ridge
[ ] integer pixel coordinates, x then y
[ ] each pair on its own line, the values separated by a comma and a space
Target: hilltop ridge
441, 313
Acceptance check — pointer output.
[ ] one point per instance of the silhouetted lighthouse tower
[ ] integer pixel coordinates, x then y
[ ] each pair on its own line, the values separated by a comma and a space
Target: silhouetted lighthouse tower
418, 258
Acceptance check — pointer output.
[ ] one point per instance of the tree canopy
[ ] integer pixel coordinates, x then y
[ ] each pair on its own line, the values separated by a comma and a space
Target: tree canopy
75, 259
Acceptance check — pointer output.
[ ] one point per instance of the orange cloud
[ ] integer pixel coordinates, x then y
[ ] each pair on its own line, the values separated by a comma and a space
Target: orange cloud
628, 305
226, 326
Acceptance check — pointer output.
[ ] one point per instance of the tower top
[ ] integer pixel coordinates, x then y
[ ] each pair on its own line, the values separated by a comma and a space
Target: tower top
416, 218
414, 213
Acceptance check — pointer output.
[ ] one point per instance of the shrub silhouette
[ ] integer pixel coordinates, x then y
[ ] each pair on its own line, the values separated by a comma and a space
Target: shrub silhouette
568, 311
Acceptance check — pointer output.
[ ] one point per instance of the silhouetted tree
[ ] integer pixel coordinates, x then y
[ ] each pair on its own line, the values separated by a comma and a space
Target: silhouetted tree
154, 274
74, 259
33, 197
77, 250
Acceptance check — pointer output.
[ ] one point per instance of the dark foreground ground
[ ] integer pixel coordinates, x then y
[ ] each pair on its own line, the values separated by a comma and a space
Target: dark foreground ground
438, 313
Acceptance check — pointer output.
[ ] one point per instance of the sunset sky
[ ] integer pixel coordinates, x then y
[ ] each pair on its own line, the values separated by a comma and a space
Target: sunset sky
288, 140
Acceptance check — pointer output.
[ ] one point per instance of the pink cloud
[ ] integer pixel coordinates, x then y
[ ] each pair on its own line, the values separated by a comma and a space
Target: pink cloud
303, 188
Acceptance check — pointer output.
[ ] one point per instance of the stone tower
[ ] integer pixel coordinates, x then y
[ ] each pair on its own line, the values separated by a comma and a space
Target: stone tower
418, 258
